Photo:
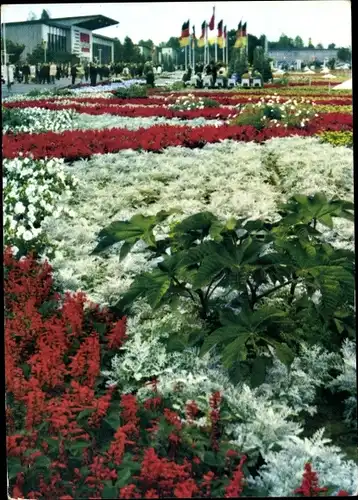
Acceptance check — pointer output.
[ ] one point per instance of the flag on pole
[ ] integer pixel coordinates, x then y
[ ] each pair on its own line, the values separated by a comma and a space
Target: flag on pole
220, 34
238, 36
244, 35
211, 25
212, 21
201, 41
185, 34
193, 38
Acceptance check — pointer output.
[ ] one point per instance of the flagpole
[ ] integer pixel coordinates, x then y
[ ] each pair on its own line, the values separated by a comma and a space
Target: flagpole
227, 47
205, 46
189, 50
194, 55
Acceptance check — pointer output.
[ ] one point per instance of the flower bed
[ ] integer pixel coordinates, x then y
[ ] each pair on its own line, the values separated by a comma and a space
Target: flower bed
82, 144
69, 436
140, 396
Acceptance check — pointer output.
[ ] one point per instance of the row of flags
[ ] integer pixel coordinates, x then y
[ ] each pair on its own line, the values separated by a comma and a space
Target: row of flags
220, 39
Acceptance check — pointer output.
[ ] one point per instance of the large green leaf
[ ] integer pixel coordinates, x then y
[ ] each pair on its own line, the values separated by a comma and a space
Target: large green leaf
209, 268
221, 336
236, 350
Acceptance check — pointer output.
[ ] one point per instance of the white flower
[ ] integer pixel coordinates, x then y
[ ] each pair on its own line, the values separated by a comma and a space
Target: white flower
27, 235
19, 208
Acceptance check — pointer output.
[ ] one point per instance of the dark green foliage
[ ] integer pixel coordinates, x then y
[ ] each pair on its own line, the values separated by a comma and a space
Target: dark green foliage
131, 92
14, 49
252, 262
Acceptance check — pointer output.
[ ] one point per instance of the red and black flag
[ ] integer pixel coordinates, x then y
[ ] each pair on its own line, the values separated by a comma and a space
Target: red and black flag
185, 33
243, 30
220, 29
220, 34
201, 41
212, 21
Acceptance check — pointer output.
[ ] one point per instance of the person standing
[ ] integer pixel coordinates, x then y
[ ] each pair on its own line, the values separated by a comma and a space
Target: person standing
47, 73
58, 72
86, 72
26, 72
73, 73
53, 71
80, 72
38, 69
93, 74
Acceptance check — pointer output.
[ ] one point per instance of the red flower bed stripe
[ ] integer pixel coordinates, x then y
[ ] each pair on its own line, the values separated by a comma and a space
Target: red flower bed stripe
103, 105
82, 144
145, 111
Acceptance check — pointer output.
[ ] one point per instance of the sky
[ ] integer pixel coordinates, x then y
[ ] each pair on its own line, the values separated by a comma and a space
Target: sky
325, 21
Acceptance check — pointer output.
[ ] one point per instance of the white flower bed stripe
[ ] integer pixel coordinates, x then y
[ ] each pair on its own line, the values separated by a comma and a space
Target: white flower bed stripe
228, 179
37, 120
84, 121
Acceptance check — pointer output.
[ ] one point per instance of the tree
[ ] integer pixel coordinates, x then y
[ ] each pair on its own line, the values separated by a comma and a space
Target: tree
253, 42
173, 43
45, 14
38, 56
267, 72
258, 59
241, 65
331, 46
299, 43
32, 16
319, 46
331, 63
117, 50
128, 50
310, 44
344, 54
285, 42
146, 43
15, 49
262, 41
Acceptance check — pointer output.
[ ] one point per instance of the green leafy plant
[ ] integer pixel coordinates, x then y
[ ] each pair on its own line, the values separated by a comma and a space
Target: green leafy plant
248, 263
338, 138
272, 113
130, 92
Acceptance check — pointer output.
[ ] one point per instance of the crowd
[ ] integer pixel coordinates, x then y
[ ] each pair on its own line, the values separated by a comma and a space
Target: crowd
211, 71
50, 72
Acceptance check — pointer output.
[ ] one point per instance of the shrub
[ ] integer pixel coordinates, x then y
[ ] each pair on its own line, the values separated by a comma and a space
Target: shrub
33, 190
337, 138
246, 260
272, 112
132, 91
190, 102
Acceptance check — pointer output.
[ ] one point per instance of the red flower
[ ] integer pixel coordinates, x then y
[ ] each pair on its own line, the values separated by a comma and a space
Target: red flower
309, 486
236, 485
117, 334
186, 489
191, 410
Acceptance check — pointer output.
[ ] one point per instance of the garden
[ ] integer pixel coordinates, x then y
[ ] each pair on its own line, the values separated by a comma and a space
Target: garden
179, 292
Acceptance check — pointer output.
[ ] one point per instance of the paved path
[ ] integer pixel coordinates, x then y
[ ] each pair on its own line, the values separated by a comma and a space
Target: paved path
23, 88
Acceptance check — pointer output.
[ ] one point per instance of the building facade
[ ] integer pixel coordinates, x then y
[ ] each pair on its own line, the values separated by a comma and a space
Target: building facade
69, 34
308, 56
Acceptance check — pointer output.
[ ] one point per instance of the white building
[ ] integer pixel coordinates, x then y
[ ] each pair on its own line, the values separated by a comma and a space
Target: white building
66, 34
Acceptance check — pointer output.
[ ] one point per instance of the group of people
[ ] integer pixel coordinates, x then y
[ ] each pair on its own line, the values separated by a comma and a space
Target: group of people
213, 70
49, 72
